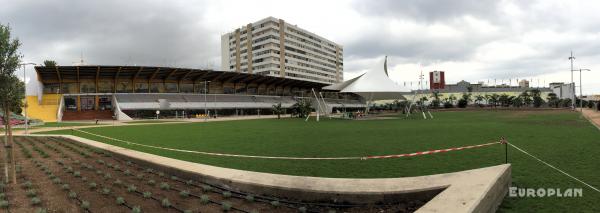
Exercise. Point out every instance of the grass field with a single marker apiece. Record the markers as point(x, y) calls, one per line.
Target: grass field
point(564, 139)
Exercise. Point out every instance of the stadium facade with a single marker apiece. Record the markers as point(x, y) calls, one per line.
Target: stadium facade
point(273, 47)
point(126, 92)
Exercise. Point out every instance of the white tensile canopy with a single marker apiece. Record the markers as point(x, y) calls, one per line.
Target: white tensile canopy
point(372, 85)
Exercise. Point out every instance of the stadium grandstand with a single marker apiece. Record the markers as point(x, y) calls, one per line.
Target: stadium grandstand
point(131, 92)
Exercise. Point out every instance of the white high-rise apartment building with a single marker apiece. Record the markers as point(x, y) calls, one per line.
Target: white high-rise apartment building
point(283, 50)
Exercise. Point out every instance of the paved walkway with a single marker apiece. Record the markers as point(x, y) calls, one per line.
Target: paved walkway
point(592, 115)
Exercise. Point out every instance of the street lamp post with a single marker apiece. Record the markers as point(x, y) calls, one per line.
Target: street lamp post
point(572, 82)
point(581, 90)
point(25, 88)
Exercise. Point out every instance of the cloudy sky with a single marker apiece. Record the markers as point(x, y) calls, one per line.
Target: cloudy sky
point(474, 40)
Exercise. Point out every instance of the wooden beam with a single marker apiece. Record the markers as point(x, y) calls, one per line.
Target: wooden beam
point(137, 74)
point(201, 76)
point(59, 78)
point(153, 74)
point(171, 74)
point(185, 75)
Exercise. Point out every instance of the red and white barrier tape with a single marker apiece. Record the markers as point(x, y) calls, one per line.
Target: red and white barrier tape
point(430, 152)
point(291, 158)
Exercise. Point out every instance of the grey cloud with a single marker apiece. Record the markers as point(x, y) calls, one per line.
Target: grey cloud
point(113, 32)
point(428, 10)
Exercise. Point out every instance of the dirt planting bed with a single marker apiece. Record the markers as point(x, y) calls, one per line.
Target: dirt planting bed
point(59, 175)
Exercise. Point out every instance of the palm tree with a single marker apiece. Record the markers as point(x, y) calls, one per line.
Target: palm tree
point(479, 99)
point(277, 109)
point(526, 98)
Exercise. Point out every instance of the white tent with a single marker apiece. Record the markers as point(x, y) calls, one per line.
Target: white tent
point(372, 85)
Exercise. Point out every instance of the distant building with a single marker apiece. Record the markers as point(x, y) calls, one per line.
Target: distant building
point(524, 83)
point(437, 81)
point(273, 47)
point(563, 90)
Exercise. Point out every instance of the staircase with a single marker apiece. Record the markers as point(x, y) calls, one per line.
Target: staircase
point(87, 115)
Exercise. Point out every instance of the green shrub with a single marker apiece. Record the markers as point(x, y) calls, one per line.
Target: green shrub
point(31, 193)
point(140, 176)
point(151, 182)
point(27, 185)
point(35, 201)
point(275, 203)
point(189, 182)
point(127, 172)
point(92, 185)
point(226, 194)
point(131, 188)
point(118, 182)
point(85, 204)
point(56, 180)
point(226, 206)
point(147, 194)
point(206, 188)
point(165, 203)
point(184, 193)
point(72, 195)
point(65, 187)
point(302, 209)
point(107, 176)
point(105, 191)
point(136, 209)
point(164, 186)
point(120, 201)
point(249, 198)
point(161, 174)
point(187, 211)
point(204, 199)
point(331, 211)
point(149, 170)
point(77, 174)
point(2, 196)
point(4, 204)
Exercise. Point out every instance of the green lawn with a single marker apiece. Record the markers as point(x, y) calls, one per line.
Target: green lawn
point(563, 139)
point(150, 121)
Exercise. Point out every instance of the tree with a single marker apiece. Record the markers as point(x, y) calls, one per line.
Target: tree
point(493, 99)
point(301, 108)
point(435, 103)
point(553, 100)
point(464, 101)
point(526, 98)
point(537, 99)
point(277, 109)
point(50, 63)
point(11, 89)
point(479, 99)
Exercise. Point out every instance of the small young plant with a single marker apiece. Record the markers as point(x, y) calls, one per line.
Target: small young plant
point(149, 170)
point(35, 201)
point(85, 205)
point(127, 172)
point(118, 182)
point(184, 193)
point(189, 182)
point(151, 182)
point(166, 203)
point(226, 206)
point(27, 185)
point(41, 210)
point(302, 209)
point(206, 188)
point(31, 193)
point(4, 204)
point(131, 188)
point(77, 174)
point(107, 176)
point(136, 209)
point(249, 198)
point(72, 195)
point(120, 201)
point(164, 186)
point(331, 211)
point(65, 187)
point(140, 176)
point(174, 177)
point(147, 194)
point(161, 174)
point(128, 163)
point(105, 191)
point(92, 185)
point(226, 194)
point(275, 203)
point(204, 199)
point(56, 180)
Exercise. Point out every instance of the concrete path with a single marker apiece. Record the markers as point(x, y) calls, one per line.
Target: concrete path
point(478, 190)
point(593, 116)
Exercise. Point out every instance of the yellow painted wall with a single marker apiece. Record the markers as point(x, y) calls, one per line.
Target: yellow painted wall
point(46, 110)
